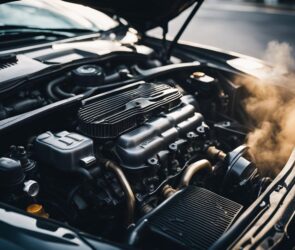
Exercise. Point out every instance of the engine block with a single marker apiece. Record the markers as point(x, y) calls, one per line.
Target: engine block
point(150, 143)
point(147, 122)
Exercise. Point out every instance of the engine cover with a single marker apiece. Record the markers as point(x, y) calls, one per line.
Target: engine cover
point(110, 114)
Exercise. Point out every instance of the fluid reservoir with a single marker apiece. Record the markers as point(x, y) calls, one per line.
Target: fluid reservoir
point(11, 173)
point(88, 75)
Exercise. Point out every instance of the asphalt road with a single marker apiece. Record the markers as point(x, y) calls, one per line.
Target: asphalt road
point(237, 27)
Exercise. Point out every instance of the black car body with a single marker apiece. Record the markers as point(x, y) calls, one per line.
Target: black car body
point(111, 139)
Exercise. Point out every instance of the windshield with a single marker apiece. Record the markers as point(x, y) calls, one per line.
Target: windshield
point(54, 14)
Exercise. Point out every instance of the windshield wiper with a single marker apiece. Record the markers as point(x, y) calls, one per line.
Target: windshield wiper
point(12, 36)
point(22, 29)
point(8, 29)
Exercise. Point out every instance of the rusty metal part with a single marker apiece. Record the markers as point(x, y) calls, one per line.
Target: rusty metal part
point(193, 169)
point(130, 198)
point(215, 153)
point(168, 191)
point(197, 74)
point(145, 209)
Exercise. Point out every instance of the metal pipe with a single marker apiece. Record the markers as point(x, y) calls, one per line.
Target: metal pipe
point(215, 153)
point(188, 174)
point(130, 198)
point(193, 169)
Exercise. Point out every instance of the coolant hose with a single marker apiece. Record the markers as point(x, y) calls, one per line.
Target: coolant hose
point(188, 174)
point(62, 93)
point(193, 169)
point(51, 85)
point(130, 198)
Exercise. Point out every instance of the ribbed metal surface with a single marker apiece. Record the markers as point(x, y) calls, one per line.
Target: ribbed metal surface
point(196, 217)
point(110, 116)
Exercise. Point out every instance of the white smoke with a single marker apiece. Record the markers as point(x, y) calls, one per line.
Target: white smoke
point(273, 110)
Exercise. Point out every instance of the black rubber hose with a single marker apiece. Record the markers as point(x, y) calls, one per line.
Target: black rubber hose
point(62, 93)
point(84, 173)
point(51, 85)
point(146, 75)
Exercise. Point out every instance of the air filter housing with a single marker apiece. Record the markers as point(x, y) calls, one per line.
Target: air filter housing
point(110, 114)
point(194, 218)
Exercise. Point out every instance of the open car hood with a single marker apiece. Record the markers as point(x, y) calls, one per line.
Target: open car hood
point(143, 15)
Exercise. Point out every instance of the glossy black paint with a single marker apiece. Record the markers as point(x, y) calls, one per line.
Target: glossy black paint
point(20, 231)
point(143, 15)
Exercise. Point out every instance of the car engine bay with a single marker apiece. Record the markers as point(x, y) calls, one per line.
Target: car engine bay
point(145, 152)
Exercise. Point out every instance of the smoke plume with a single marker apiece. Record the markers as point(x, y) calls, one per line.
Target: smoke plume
point(271, 106)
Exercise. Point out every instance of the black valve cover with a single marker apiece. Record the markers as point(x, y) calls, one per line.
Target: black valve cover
point(112, 113)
